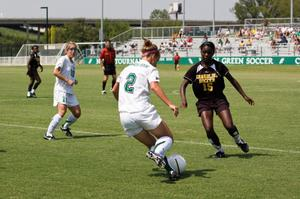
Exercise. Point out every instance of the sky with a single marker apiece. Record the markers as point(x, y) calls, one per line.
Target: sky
point(114, 9)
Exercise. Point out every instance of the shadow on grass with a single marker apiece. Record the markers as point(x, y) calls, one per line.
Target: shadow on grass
point(241, 155)
point(88, 136)
point(2, 151)
point(187, 174)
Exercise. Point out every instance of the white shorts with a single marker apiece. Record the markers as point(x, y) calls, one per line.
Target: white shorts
point(134, 123)
point(65, 98)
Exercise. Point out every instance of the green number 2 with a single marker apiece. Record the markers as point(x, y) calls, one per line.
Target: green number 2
point(130, 82)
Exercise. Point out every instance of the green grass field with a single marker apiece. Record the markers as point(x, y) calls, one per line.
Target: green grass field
point(101, 162)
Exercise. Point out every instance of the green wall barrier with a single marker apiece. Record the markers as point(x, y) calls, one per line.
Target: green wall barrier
point(193, 60)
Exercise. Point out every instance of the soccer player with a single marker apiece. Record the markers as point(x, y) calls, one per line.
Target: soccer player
point(138, 116)
point(107, 63)
point(32, 66)
point(176, 61)
point(207, 79)
point(64, 97)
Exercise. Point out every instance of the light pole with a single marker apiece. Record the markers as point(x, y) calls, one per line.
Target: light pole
point(292, 11)
point(46, 8)
point(214, 16)
point(101, 28)
point(183, 17)
point(141, 19)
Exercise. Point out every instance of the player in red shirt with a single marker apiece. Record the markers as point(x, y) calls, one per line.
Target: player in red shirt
point(207, 79)
point(107, 63)
point(176, 61)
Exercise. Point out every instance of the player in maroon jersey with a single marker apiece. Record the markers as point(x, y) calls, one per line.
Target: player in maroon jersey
point(207, 79)
point(107, 63)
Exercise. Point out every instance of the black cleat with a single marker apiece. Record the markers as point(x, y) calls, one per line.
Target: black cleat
point(220, 154)
point(244, 146)
point(66, 131)
point(49, 137)
point(172, 175)
point(33, 95)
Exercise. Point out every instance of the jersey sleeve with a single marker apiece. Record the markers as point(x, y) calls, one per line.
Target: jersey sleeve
point(153, 76)
point(223, 70)
point(190, 75)
point(60, 63)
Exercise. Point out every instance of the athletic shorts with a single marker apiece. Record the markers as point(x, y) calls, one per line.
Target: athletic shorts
point(32, 73)
point(110, 70)
point(134, 123)
point(65, 98)
point(218, 105)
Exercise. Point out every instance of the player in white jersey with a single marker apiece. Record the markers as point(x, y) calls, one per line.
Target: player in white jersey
point(64, 98)
point(138, 116)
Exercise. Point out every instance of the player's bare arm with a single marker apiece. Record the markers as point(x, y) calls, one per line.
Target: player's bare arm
point(183, 86)
point(238, 87)
point(115, 90)
point(161, 94)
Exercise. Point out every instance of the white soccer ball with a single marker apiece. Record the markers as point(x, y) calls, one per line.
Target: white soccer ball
point(177, 163)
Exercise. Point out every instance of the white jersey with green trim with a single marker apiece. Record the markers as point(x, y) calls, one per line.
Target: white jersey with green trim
point(134, 86)
point(67, 68)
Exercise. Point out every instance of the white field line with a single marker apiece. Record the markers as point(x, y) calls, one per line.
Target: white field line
point(177, 141)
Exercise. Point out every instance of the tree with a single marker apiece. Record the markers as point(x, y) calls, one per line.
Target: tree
point(159, 15)
point(161, 18)
point(264, 9)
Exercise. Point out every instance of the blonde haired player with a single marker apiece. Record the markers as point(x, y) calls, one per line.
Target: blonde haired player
point(138, 116)
point(64, 97)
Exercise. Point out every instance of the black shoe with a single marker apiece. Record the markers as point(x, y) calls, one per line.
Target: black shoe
point(66, 131)
point(49, 137)
point(220, 154)
point(33, 95)
point(172, 175)
point(244, 146)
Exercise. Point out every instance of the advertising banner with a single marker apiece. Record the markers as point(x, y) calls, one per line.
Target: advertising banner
point(192, 60)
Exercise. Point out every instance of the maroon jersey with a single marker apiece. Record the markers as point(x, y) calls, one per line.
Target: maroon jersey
point(208, 82)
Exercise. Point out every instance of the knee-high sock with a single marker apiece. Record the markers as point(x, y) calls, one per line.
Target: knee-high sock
point(70, 120)
point(162, 145)
point(235, 134)
point(103, 85)
point(53, 124)
point(214, 140)
point(36, 85)
point(113, 83)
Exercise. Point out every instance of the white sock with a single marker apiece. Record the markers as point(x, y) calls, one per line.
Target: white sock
point(32, 91)
point(162, 145)
point(28, 94)
point(53, 124)
point(70, 120)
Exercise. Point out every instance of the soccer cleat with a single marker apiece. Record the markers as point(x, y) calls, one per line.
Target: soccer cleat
point(244, 146)
point(173, 175)
point(220, 154)
point(33, 95)
point(156, 158)
point(66, 131)
point(103, 92)
point(29, 95)
point(47, 137)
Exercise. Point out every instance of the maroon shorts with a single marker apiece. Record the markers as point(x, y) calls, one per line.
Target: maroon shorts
point(217, 104)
